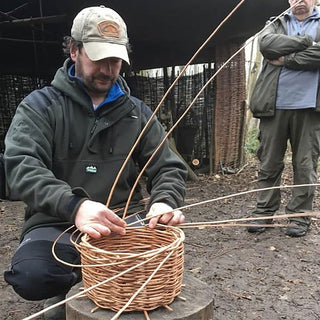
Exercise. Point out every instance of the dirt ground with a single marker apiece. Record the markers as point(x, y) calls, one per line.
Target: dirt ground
point(265, 276)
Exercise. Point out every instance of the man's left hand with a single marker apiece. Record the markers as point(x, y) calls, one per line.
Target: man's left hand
point(163, 213)
point(277, 62)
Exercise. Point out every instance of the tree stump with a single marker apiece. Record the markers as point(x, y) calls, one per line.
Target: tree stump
point(196, 303)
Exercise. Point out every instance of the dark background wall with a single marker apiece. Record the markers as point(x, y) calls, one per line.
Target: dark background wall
point(162, 33)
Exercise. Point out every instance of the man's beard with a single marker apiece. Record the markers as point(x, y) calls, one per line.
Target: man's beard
point(91, 83)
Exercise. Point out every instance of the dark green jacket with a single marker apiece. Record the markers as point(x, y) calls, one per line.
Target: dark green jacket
point(299, 53)
point(60, 152)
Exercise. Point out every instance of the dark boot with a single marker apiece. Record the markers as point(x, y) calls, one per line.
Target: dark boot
point(256, 225)
point(298, 229)
point(58, 313)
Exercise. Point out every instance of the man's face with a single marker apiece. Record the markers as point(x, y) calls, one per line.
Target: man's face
point(305, 7)
point(97, 76)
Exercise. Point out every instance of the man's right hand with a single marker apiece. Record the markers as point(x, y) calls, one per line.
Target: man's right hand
point(97, 220)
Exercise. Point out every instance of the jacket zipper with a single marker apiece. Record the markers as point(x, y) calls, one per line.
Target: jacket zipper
point(94, 126)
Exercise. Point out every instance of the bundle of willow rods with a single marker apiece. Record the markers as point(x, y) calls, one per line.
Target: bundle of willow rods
point(109, 257)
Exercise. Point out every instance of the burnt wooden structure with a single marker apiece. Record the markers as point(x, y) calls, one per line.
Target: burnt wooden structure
point(162, 34)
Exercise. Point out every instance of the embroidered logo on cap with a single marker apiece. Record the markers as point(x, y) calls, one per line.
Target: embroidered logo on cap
point(109, 29)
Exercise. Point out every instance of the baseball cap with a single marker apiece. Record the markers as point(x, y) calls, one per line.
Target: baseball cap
point(102, 32)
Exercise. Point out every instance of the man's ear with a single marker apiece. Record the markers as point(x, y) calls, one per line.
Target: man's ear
point(73, 53)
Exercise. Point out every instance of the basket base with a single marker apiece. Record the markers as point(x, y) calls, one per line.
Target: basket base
point(198, 305)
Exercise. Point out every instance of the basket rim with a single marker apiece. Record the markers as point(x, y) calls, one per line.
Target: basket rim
point(174, 245)
point(176, 233)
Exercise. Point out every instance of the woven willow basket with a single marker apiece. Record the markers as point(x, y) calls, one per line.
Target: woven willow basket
point(110, 257)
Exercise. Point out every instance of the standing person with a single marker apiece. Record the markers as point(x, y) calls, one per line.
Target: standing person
point(286, 98)
point(65, 147)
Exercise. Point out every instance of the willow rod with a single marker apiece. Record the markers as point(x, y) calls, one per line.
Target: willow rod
point(193, 102)
point(231, 196)
point(162, 100)
point(231, 222)
point(205, 225)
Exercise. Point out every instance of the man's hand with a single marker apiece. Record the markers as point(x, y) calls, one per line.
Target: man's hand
point(277, 62)
point(96, 220)
point(170, 216)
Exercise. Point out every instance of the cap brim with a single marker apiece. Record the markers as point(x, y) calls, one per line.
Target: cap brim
point(102, 50)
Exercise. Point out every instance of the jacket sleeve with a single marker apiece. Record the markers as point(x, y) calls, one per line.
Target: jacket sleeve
point(28, 162)
point(308, 59)
point(166, 172)
point(274, 45)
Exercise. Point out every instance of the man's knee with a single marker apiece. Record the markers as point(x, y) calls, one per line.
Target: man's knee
point(39, 276)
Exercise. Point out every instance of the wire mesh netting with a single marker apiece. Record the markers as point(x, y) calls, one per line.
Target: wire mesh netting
point(212, 132)
point(193, 135)
point(13, 88)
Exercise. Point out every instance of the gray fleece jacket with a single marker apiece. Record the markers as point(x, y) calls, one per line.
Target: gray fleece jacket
point(59, 152)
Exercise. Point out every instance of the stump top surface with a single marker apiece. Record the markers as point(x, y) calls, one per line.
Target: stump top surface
point(198, 305)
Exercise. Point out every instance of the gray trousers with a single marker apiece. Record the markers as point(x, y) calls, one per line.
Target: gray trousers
point(302, 129)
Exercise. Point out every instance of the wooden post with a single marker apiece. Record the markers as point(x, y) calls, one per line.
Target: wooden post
point(196, 302)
